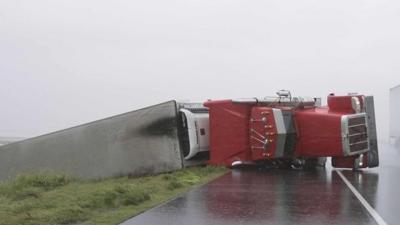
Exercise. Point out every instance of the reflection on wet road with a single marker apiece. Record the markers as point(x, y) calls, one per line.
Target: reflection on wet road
point(381, 186)
point(286, 197)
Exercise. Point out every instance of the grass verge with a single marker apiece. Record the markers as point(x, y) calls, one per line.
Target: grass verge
point(47, 198)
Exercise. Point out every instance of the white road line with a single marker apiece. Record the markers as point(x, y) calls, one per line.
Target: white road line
point(367, 206)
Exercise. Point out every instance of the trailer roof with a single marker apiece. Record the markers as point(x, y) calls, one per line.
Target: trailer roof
point(395, 87)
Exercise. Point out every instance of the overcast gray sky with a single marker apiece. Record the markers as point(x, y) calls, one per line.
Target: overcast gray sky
point(63, 63)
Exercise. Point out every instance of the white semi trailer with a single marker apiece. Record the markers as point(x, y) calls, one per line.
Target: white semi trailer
point(9, 140)
point(395, 114)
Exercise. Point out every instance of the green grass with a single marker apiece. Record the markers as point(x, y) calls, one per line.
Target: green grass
point(48, 198)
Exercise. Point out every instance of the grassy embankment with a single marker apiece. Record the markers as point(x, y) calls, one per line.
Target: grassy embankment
point(47, 198)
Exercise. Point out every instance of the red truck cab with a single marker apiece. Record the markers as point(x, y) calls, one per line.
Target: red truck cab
point(285, 129)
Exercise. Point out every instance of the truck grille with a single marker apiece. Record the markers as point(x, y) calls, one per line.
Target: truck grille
point(354, 134)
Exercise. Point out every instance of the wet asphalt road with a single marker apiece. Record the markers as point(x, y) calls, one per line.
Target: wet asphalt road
point(287, 197)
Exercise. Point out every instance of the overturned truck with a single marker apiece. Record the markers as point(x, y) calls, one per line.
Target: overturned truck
point(281, 131)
